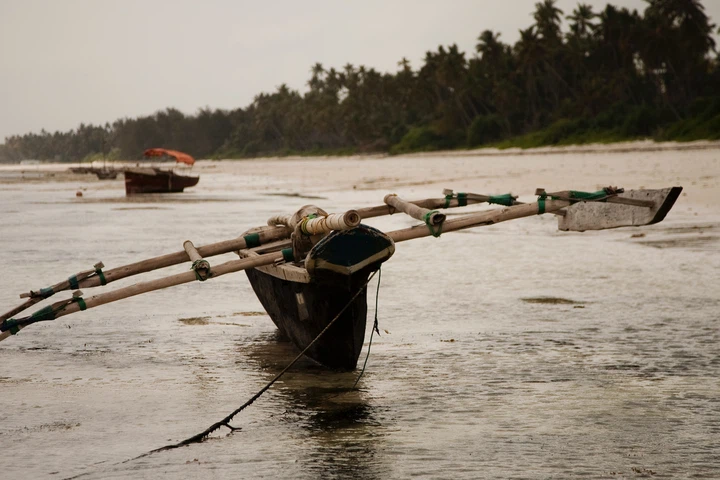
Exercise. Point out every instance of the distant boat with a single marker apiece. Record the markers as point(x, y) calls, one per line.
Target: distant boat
point(103, 173)
point(106, 173)
point(153, 179)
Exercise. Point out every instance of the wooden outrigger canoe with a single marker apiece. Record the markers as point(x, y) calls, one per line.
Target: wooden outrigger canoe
point(303, 297)
point(153, 179)
point(310, 269)
point(156, 180)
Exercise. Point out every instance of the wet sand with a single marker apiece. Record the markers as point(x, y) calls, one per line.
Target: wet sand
point(510, 351)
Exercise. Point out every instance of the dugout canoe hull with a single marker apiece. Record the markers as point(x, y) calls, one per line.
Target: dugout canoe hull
point(155, 180)
point(302, 299)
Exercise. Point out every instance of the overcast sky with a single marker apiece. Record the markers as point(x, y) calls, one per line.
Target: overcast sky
point(63, 62)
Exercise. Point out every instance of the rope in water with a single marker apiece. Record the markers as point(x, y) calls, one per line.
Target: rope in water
point(225, 422)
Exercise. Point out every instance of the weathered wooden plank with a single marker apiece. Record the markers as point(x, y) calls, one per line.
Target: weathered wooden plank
point(583, 216)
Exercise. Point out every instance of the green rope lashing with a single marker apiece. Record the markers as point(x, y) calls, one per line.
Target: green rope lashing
point(541, 203)
point(462, 199)
point(597, 196)
point(303, 224)
point(10, 325)
point(73, 281)
point(287, 254)
point(504, 199)
point(201, 264)
point(576, 196)
point(46, 313)
point(252, 240)
point(100, 274)
point(81, 303)
point(46, 292)
point(434, 230)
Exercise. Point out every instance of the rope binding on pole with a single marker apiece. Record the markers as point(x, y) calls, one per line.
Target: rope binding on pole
point(435, 230)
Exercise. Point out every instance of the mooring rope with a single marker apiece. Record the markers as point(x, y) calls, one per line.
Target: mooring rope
point(225, 422)
point(374, 329)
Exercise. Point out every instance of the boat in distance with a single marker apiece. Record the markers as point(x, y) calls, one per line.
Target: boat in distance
point(154, 179)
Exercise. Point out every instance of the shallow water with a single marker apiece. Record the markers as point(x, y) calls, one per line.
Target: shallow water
point(510, 351)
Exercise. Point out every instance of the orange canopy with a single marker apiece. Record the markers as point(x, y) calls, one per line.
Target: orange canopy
point(178, 156)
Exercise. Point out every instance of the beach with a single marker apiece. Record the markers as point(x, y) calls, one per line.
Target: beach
point(507, 351)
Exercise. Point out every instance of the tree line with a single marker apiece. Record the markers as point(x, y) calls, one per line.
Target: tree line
point(615, 74)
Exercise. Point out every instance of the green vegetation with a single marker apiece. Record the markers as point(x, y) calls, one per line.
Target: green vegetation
point(614, 75)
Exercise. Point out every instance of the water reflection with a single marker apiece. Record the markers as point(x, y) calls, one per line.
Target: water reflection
point(341, 431)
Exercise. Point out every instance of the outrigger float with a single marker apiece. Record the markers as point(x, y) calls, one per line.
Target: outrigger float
point(310, 269)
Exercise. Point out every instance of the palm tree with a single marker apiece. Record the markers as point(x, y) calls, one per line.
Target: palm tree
point(547, 21)
point(316, 81)
point(529, 53)
point(581, 26)
point(678, 43)
point(580, 43)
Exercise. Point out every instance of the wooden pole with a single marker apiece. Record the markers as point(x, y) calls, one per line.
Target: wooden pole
point(478, 197)
point(334, 221)
point(429, 203)
point(199, 264)
point(191, 251)
point(36, 296)
point(91, 278)
point(320, 224)
point(171, 281)
point(419, 213)
point(170, 259)
point(489, 217)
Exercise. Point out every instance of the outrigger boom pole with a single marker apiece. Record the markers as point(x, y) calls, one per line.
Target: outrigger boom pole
point(78, 303)
point(96, 277)
point(583, 212)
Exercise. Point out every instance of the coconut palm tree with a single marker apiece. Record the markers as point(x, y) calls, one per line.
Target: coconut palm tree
point(678, 43)
point(548, 19)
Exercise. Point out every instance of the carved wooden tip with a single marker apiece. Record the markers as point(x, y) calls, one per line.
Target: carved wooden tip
point(447, 191)
point(538, 191)
point(99, 265)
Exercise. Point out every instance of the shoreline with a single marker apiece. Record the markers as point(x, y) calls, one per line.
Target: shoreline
point(631, 165)
point(616, 147)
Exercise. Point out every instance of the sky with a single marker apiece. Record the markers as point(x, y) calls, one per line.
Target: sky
point(66, 62)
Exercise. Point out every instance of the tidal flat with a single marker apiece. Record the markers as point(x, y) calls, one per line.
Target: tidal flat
point(508, 351)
